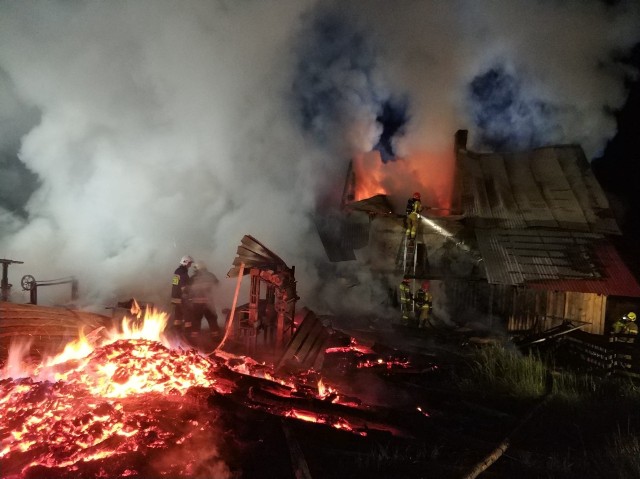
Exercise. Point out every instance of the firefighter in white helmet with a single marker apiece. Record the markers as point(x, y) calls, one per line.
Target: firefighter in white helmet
point(179, 283)
point(201, 292)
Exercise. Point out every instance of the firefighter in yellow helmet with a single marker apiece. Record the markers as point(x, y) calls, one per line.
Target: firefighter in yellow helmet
point(626, 324)
point(414, 207)
point(406, 301)
point(424, 302)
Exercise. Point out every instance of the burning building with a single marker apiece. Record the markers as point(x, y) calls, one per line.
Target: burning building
point(523, 243)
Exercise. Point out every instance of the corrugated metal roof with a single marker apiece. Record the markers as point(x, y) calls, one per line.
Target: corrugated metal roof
point(617, 279)
point(551, 187)
point(517, 256)
point(555, 260)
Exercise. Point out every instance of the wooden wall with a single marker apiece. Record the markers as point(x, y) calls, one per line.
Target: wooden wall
point(540, 310)
point(48, 329)
point(522, 309)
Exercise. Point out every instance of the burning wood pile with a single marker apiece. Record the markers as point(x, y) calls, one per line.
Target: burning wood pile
point(126, 403)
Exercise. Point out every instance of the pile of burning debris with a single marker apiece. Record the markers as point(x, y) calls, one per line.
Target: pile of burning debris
point(128, 403)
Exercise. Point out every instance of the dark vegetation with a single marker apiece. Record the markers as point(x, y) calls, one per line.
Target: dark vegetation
point(493, 412)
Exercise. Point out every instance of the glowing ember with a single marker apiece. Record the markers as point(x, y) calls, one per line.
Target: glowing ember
point(385, 363)
point(327, 392)
point(83, 415)
point(115, 393)
point(337, 423)
point(129, 367)
point(364, 357)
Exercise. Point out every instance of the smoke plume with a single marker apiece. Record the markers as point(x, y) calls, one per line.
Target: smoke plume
point(134, 132)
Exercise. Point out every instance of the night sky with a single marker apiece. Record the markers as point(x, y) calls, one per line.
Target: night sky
point(134, 132)
point(618, 171)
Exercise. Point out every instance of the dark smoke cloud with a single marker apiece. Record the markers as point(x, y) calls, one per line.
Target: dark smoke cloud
point(133, 132)
point(507, 121)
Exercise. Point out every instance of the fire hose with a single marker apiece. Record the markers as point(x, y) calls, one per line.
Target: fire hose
point(229, 325)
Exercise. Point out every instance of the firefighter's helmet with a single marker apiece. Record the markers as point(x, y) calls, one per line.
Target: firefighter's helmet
point(416, 196)
point(199, 266)
point(426, 285)
point(186, 260)
point(631, 316)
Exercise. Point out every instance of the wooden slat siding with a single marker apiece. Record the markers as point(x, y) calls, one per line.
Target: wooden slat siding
point(254, 245)
point(301, 335)
point(48, 328)
point(593, 351)
point(306, 334)
point(597, 312)
point(252, 253)
point(309, 349)
point(524, 316)
point(587, 307)
point(617, 355)
point(247, 257)
point(307, 342)
point(526, 192)
point(463, 298)
point(600, 310)
point(557, 191)
point(538, 310)
point(626, 355)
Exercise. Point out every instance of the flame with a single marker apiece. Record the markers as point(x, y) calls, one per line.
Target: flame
point(327, 392)
point(78, 416)
point(93, 401)
point(337, 423)
point(432, 174)
point(135, 309)
point(322, 390)
point(76, 349)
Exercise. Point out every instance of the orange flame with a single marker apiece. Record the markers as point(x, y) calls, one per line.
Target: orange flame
point(432, 174)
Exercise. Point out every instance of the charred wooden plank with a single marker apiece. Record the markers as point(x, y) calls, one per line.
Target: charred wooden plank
point(306, 344)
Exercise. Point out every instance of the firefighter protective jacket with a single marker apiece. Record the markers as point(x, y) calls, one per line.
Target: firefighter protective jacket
point(423, 297)
point(179, 282)
point(201, 287)
point(413, 206)
point(405, 293)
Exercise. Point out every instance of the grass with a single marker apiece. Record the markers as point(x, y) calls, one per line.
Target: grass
point(398, 457)
point(623, 452)
point(498, 371)
point(590, 427)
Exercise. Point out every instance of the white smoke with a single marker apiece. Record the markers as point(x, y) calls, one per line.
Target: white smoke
point(167, 128)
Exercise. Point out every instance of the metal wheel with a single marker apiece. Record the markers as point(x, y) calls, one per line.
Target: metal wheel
point(28, 282)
